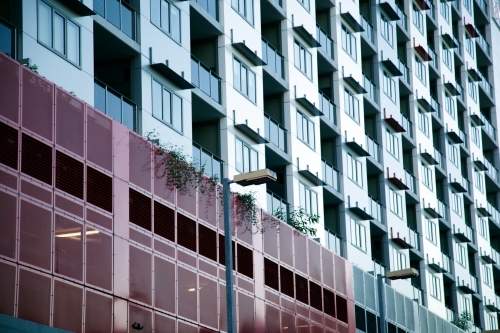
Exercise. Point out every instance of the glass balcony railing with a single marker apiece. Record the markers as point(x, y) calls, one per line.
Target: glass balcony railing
point(274, 203)
point(450, 314)
point(496, 258)
point(210, 6)
point(434, 62)
point(378, 268)
point(335, 243)
point(410, 181)
point(119, 14)
point(331, 176)
point(469, 233)
point(458, 49)
point(325, 41)
point(483, 5)
point(414, 238)
point(463, 136)
point(460, 91)
point(368, 33)
point(418, 295)
point(489, 128)
point(405, 70)
point(485, 85)
point(376, 210)
point(442, 209)
point(371, 88)
point(435, 104)
point(7, 39)
point(273, 58)
point(438, 157)
point(373, 148)
point(446, 262)
point(492, 171)
point(495, 214)
point(327, 107)
point(485, 46)
point(212, 165)
point(115, 105)
point(402, 16)
point(205, 79)
point(468, 5)
point(275, 133)
point(407, 125)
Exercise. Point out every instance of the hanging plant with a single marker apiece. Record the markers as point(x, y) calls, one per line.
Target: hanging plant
point(299, 219)
point(247, 211)
point(34, 68)
point(464, 321)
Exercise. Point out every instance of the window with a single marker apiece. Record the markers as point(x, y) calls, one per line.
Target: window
point(469, 46)
point(358, 235)
point(427, 176)
point(456, 204)
point(351, 105)
point(478, 181)
point(305, 130)
point(167, 17)
point(447, 57)
point(423, 122)
point(167, 106)
point(392, 144)
point(247, 159)
point(461, 255)
point(445, 11)
point(431, 231)
point(452, 153)
point(474, 132)
point(354, 170)
point(418, 19)
point(244, 80)
point(58, 33)
point(486, 275)
point(305, 3)
point(303, 59)
point(308, 199)
point(389, 87)
point(483, 227)
point(349, 43)
point(449, 104)
point(472, 91)
point(396, 203)
point(244, 8)
point(387, 31)
point(435, 286)
point(399, 260)
point(420, 70)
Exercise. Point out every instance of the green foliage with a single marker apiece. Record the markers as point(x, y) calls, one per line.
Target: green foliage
point(247, 211)
point(299, 219)
point(464, 321)
point(34, 68)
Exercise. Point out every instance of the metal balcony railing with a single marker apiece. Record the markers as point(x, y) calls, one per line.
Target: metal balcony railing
point(407, 125)
point(119, 14)
point(446, 262)
point(275, 133)
point(115, 105)
point(368, 33)
point(405, 70)
point(273, 58)
point(492, 171)
point(331, 176)
point(373, 148)
point(327, 107)
point(410, 181)
point(489, 128)
point(210, 6)
point(274, 203)
point(402, 16)
point(442, 209)
point(326, 41)
point(376, 210)
point(335, 243)
point(371, 88)
point(205, 79)
point(485, 46)
point(414, 238)
point(212, 165)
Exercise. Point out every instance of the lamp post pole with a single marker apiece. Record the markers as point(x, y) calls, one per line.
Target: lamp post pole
point(381, 303)
point(228, 246)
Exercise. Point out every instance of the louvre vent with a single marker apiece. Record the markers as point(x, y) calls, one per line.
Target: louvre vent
point(186, 232)
point(329, 302)
point(286, 281)
point(400, 330)
point(8, 145)
point(139, 209)
point(391, 328)
point(341, 309)
point(301, 289)
point(271, 274)
point(69, 175)
point(99, 189)
point(315, 296)
point(245, 261)
point(222, 252)
point(164, 225)
point(207, 242)
point(36, 159)
point(360, 318)
point(371, 322)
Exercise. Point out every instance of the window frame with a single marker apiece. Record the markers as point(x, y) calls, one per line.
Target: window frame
point(456, 204)
point(395, 203)
point(243, 162)
point(461, 255)
point(248, 71)
point(159, 26)
point(427, 179)
point(423, 123)
point(449, 104)
point(244, 15)
point(420, 70)
point(392, 144)
point(300, 130)
point(302, 50)
point(350, 47)
point(399, 259)
point(358, 235)
point(435, 286)
point(431, 233)
point(389, 87)
point(486, 273)
point(308, 199)
point(354, 170)
point(172, 94)
point(387, 30)
point(352, 109)
point(452, 153)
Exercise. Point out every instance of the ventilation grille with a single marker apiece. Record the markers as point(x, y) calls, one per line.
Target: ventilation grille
point(222, 252)
point(37, 159)
point(329, 302)
point(69, 175)
point(315, 296)
point(391, 328)
point(186, 232)
point(286, 281)
point(8, 145)
point(139, 209)
point(207, 242)
point(400, 330)
point(342, 309)
point(245, 261)
point(301, 289)
point(271, 274)
point(360, 318)
point(371, 322)
point(99, 189)
point(164, 221)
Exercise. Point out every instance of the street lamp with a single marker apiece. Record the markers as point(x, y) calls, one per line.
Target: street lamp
point(251, 178)
point(394, 275)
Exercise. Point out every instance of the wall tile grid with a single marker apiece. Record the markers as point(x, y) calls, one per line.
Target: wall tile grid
point(68, 241)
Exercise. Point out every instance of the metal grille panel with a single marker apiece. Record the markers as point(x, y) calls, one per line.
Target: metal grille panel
point(301, 289)
point(139, 209)
point(371, 322)
point(34, 297)
point(36, 159)
point(186, 232)
point(329, 302)
point(245, 261)
point(207, 242)
point(341, 309)
point(69, 122)
point(67, 298)
point(271, 274)
point(140, 275)
point(360, 318)
point(315, 296)
point(98, 311)
point(7, 288)
point(69, 175)
point(99, 189)
point(164, 218)
point(286, 281)
point(9, 94)
point(222, 252)
point(8, 145)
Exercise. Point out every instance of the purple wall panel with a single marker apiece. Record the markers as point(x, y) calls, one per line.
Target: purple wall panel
point(68, 300)
point(41, 193)
point(140, 162)
point(8, 224)
point(208, 302)
point(120, 315)
point(34, 297)
point(164, 324)
point(164, 285)
point(7, 287)
point(9, 94)
point(99, 139)
point(70, 122)
point(314, 250)
point(286, 245)
point(121, 199)
point(99, 259)
point(120, 267)
point(98, 312)
point(120, 151)
point(68, 248)
point(69, 205)
point(8, 179)
point(140, 279)
point(300, 247)
point(187, 290)
point(139, 314)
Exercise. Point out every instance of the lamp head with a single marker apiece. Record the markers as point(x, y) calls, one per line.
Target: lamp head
point(402, 274)
point(255, 178)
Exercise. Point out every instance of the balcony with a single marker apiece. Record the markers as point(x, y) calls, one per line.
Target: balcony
point(275, 203)
point(331, 176)
point(435, 105)
point(414, 239)
point(469, 285)
point(433, 61)
point(461, 185)
point(376, 210)
point(373, 148)
point(491, 170)
point(494, 213)
point(483, 6)
point(442, 209)
point(370, 88)
point(450, 314)
point(410, 182)
point(119, 14)
point(489, 128)
point(495, 256)
point(405, 70)
point(115, 105)
point(208, 162)
point(446, 262)
point(205, 79)
point(485, 47)
point(327, 107)
point(460, 91)
point(438, 156)
point(325, 41)
point(8, 39)
point(335, 243)
point(368, 29)
point(402, 17)
point(275, 60)
point(210, 6)
point(485, 85)
point(378, 268)
point(275, 133)
point(407, 125)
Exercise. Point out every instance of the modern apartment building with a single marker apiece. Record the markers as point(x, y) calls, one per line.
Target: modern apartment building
point(379, 116)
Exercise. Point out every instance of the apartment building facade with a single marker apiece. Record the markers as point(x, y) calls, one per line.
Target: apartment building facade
point(344, 100)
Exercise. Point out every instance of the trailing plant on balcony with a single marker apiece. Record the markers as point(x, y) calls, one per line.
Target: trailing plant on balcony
point(34, 68)
point(246, 211)
point(464, 321)
point(299, 219)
